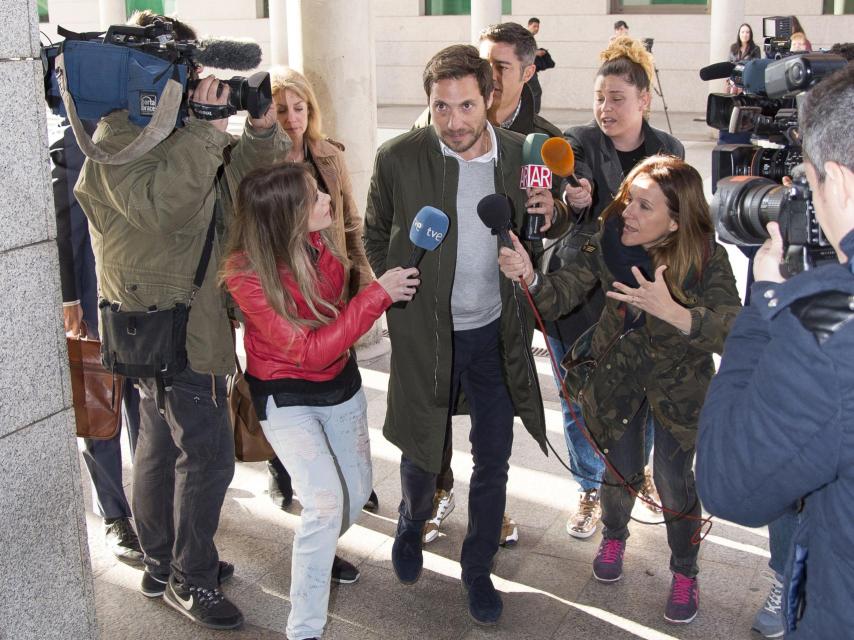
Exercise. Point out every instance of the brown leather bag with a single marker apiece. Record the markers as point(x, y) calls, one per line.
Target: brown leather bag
point(96, 393)
point(250, 445)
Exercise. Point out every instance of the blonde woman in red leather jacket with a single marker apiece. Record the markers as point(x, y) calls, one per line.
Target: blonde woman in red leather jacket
point(288, 277)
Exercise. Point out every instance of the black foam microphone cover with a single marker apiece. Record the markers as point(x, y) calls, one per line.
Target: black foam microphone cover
point(496, 211)
point(717, 71)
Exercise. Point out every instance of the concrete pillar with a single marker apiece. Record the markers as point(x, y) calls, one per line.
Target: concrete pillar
point(332, 43)
point(45, 574)
point(111, 12)
point(725, 17)
point(278, 33)
point(483, 14)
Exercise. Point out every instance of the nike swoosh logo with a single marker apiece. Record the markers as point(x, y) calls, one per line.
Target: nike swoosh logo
point(187, 604)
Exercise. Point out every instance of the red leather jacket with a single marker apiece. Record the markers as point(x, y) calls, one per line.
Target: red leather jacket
point(278, 349)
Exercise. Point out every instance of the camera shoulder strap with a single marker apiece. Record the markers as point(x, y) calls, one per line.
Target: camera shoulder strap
point(205, 258)
point(161, 125)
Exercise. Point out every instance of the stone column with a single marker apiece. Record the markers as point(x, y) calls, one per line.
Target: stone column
point(332, 43)
point(725, 17)
point(483, 14)
point(111, 12)
point(45, 574)
point(278, 33)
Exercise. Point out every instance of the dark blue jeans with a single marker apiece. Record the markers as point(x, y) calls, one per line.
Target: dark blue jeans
point(674, 478)
point(183, 465)
point(478, 372)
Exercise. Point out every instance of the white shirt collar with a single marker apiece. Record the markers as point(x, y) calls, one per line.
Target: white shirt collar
point(489, 156)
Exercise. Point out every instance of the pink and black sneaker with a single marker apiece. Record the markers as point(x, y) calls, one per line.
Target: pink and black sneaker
point(684, 600)
point(608, 564)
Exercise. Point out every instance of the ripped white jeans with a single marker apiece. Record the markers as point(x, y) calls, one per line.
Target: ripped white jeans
point(327, 452)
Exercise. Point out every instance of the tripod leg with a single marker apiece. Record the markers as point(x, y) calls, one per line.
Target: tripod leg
point(660, 92)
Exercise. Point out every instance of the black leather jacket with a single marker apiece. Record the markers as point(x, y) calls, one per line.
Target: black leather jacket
point(595, 159)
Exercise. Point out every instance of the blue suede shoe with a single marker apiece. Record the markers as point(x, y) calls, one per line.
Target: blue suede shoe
point(485, 604)
point(406, 556)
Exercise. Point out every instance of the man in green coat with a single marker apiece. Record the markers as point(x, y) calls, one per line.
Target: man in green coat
point(149, 220)
point(466, 330)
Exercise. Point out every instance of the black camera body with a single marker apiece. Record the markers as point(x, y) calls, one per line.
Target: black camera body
point(746, 177)
point(777, 34)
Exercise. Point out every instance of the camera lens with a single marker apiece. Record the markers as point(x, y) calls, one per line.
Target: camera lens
point(743, 205)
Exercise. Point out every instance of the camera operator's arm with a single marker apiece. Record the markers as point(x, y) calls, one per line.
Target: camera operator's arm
point(263, 143)
point(770, 425)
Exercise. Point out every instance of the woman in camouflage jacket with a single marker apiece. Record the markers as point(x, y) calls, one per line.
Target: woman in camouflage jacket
point(671, 301)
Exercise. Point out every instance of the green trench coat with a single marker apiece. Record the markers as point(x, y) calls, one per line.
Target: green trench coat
point(657, 361)
point(410, 172)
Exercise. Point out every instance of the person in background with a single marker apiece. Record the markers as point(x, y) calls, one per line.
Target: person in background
point(605, 150)
point(621, 28)
point(299, 115)
point(103, 458)
point(671, 298)
point(542, 62)
point(288, 274)
point(798, 43)
point(743, 49)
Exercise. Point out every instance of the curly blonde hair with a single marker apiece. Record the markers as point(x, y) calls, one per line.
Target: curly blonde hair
point(627, 58)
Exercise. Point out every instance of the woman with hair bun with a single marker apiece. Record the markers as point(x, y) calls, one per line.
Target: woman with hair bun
point(606, 150)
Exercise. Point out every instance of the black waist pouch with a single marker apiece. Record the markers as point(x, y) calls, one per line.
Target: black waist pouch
point(144, 344)
point(153, 343)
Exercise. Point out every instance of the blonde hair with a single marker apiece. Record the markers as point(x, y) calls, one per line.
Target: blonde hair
point(270, 231)
point(282, 78)
point(686, 250)
point(628, 59)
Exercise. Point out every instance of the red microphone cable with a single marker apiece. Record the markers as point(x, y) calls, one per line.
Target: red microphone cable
point(705, 525)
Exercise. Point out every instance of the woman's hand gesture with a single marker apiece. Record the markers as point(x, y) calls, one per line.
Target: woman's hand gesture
point(653, 297)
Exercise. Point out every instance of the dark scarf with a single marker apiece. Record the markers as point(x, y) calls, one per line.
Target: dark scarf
point(620, 259)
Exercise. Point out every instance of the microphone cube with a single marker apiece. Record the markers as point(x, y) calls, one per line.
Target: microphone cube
point(535, 175)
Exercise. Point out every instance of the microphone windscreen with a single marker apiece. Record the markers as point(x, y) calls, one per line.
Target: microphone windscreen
point(717, 71)
point(532, 148)
point(495, 212)
point(220, 53)
point(753, 76)
point(559, 157)
point(429, 228)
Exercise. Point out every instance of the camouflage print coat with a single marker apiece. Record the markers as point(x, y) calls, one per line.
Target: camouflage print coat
point(655, 361)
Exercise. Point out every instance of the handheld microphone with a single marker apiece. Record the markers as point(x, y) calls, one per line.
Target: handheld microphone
point(534, 174)
point(559, 157)
point(496, 211)
point(428, 229)
point(224, 53)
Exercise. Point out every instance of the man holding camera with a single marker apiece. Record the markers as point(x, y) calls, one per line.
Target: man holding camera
point(151, 220)
point(776, 429)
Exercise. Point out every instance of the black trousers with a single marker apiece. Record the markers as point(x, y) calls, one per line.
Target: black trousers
point(478, 372)
point(673, 470)
point(183, 465)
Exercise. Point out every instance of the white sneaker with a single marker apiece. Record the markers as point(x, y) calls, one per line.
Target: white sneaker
point(582, 524)
point(509, 532)
point(443, 505)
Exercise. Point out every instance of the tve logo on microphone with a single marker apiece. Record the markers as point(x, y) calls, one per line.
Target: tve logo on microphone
point(535, 175)
point(418, 230)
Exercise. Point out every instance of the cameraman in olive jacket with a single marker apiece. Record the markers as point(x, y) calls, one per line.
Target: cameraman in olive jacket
point(148, 221)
